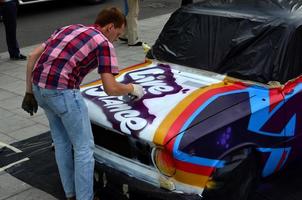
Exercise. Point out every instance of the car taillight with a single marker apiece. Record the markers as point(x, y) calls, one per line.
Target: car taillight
point(164, 161)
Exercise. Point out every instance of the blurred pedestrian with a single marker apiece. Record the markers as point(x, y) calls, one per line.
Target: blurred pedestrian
point(55, 71)
point(131, 33)
point(186, 2)
point(126, 7)
point(8, 10)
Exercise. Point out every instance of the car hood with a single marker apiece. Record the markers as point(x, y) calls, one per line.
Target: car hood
point(170, 90)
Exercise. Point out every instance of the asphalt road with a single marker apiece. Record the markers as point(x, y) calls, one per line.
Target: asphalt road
point(36, 22)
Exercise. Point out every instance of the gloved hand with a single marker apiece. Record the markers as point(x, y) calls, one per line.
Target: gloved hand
point(29, 103)
point(138, 92)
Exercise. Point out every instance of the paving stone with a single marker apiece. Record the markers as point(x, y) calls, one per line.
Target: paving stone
point(6, 139)
point(11, 103)
point(10, 186)
point(20, 112)
point(5, 79)
point(7, 66)
point(28, 132)
point(32, 194)
point(16, 86)
point(18, 73)
point(6, 94)
point(5, 113)
point(41, 119)
point(14, 123)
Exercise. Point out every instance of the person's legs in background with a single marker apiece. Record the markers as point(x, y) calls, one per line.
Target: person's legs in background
point(126, 8)
point(9, 15)
point(131, 31)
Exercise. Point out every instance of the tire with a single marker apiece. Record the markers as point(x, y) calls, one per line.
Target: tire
point(237, 179)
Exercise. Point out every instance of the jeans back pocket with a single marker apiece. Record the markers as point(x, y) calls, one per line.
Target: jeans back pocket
point(55, 100)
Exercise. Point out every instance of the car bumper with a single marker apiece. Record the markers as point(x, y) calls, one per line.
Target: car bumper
point(127, 177)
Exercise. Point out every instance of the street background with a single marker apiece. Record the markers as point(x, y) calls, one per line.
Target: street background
point(37, 21)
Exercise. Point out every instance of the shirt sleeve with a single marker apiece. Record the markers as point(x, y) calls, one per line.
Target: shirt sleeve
point(44, 44)
point(107, 59)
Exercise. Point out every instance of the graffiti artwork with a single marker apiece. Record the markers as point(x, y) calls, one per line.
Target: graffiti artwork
point(194, 124)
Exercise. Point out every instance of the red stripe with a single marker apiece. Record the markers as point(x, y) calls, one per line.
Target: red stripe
point(275, 98)
point(284, 154)
point(189, 167)
point(193, 168)
point(180, 121)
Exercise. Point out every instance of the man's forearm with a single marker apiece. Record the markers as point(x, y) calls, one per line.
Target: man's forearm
point(32, 59)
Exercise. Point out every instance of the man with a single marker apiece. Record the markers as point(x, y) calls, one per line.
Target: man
point(131, 33)
point(54, 72)
point(8, 10)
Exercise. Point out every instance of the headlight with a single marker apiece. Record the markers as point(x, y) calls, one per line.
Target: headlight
point(163, 161)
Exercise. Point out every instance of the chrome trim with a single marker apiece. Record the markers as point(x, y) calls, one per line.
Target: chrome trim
point(126, 165)
point(31, 2)
point(140, 171)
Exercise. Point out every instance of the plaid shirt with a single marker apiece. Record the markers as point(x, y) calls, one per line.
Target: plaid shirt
point(70, 54)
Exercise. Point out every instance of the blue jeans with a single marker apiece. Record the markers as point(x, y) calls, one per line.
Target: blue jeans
point(70, 130)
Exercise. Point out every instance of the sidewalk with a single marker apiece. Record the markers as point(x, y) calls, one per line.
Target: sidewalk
point(17, 125)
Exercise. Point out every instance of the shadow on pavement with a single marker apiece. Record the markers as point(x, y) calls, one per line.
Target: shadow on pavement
point(41, 172)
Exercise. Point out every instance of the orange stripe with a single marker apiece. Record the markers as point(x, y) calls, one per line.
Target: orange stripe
point(191, 179)
point(166, 124)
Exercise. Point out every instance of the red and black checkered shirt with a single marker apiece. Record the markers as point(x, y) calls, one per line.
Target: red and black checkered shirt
point(70, 54)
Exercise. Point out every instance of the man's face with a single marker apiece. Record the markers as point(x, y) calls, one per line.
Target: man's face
point(114, 33)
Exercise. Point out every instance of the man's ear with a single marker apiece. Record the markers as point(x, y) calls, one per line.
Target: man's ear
point(110, 26)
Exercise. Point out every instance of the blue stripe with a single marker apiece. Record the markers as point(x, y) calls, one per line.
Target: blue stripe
point(179, 155)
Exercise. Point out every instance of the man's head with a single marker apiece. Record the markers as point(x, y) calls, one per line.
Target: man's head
point(112, 23)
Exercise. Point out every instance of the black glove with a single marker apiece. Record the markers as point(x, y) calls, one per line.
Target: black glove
point(29, 103)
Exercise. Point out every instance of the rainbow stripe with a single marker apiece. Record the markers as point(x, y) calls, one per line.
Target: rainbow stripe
point(167, 133)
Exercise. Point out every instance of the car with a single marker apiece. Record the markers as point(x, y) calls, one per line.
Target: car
point(23, 2)
point(221, 111)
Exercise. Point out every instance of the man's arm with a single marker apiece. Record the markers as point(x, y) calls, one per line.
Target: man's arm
point(114, 88)
point(32, 58)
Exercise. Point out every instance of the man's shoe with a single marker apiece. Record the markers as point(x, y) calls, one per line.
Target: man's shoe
point(136, 44)
point(123, 39)
point(18, 57)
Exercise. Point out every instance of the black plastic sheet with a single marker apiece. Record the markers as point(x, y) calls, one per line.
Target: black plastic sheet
point(258, 40)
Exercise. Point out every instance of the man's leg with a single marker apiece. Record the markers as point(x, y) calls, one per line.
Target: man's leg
point(76, 122)
point(9, 14)
point(132, 22)
point(63, 148)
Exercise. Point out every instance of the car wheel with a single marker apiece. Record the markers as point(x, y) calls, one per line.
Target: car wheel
point(237, 179)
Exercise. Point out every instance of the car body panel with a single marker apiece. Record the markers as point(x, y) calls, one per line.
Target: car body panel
point(142, 118)
point(200, 117)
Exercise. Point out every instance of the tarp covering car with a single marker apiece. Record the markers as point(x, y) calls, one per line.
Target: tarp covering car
point(258, 40)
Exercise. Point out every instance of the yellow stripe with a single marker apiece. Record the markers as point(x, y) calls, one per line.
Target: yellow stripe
point(191, 179)
point(123, 71)
point(164, 127)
